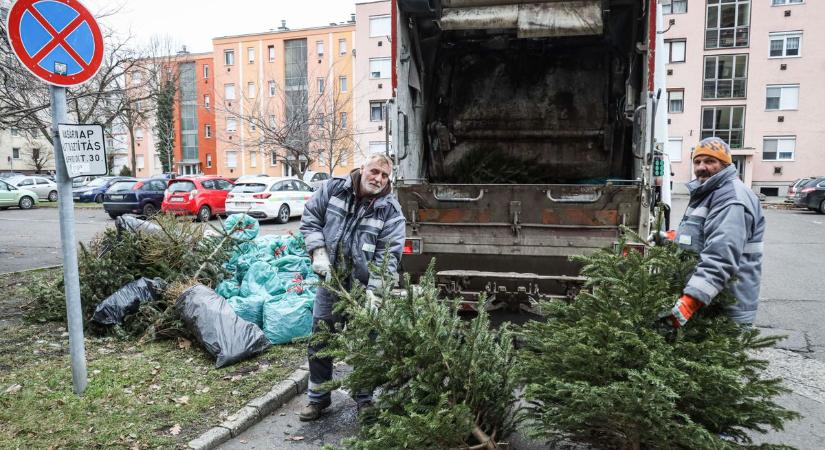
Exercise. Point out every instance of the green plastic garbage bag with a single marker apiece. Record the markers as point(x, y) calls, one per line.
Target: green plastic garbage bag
point(292, 263)
point(296, 245)
point(250, 309)
point(242, 226)
point(228, 288)
point(262, 279)
point(287, 317)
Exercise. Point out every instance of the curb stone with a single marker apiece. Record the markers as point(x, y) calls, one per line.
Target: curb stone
point(254, 411)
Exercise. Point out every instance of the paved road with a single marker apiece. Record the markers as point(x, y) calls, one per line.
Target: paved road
point(793, 304)
point(30, 239)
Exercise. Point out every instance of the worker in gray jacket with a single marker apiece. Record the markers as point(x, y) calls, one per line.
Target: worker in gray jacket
point(348, 223)
point(724, 225)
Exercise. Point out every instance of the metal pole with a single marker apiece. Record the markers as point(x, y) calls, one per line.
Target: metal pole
point(71, 278)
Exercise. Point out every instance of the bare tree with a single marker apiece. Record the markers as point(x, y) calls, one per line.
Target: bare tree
point(40, 158)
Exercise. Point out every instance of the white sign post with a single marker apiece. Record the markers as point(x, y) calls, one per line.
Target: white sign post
point(83, 149)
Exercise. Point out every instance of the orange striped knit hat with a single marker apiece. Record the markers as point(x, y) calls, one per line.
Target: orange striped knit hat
point(713, 146)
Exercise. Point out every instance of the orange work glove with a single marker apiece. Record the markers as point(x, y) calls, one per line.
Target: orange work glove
point(684, 308)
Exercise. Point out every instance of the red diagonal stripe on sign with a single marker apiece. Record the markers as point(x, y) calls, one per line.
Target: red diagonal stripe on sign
point(57, 37)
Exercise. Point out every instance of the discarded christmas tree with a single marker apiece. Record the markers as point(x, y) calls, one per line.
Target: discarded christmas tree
point(444, 382)
point(603, 370)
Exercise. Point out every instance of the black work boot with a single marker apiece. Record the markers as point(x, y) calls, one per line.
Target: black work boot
point(312, 411)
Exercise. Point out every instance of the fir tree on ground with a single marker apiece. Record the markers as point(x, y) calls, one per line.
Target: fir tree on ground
point(443, 382)
point(603, 370)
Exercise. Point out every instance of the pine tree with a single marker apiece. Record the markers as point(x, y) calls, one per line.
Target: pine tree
point(603, 370)
point(444, 382)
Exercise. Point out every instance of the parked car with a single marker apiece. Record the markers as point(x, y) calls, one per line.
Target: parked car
point(269, 198)
point(794, 187)
point(82, 181)
point(811, 195)
point(44, 188)
point(134, 196)
point(315, 179)
point(200, 196)
point(93, 192)
point(11, 195)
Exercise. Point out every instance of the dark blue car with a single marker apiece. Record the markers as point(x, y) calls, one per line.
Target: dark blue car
point(133, 196)
point(93, 192)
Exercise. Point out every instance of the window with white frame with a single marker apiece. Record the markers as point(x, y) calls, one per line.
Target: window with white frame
point(786, 44)
point(229, 91)
point(343, 120)
point(206, 71)
point(675, 7)
point(787, 2)
point(319, 48)
point(782, 97)
point(322, 83)
point(250, 90)
point(380, 26)
point(232, 159)
point(229, 57)
point(250, 54)
point(15, 132)
point(377, 147)
point(675, 50)
point(140, 162)
point(725, 122)
point(727, 23)
point(15, 153)
point(726, 76)
point(377, 110)
point(676, 101)
point(231, 124)
point(674, 149)
point(209, 160)
point(380, 68)
point(207, 101)
point(272, 87)
point(342, 84)
point(778, 148)
point(139, 134)
point(207, 131)
point(253, 159)
point(342, 46)
point(270, 49)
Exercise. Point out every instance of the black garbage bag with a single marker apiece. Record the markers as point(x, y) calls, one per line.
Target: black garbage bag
point(128, 222)
point(218, 329)
point(127, 300)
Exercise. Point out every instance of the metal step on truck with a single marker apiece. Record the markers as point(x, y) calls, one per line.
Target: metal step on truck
point(523, 133)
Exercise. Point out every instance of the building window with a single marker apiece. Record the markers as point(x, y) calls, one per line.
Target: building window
point(675, 50)
point(787, 2)
point(231, 159)
point(287, 169)
point(140, 162)
point(319, 48)
point(377, 111)
point(206, 71)
point(15, 153)
point(676, 101)
point(675, 7)
point(250, 90)
point(250, 54)
point(139, 134)
point(782, 97)
point(342, 46)
point(342, 84)
point(207, 131)
point(15, 132)
point(778, 148)
point(229, 57)
point(272, 121)
point(785, 45)
point(270, 49)
point(380, 68)
point(271, 88)
point(322, 83)
point(725, 122)
point(209, 160)
point(273, 159)
point(674, 149)
point(380, 26)
point(229, 91)
point(343, 120)
point(231, 124)
point(253, 159)
point(726, 76)
point(727, 24)
point(206, 101)
point(377, 147)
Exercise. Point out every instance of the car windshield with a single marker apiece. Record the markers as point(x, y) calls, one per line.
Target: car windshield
point(122, 186)
point(97, 182)
point(181, 186)
point(249, 188)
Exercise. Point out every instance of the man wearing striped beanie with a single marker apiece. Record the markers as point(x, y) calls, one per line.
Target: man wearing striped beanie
point(724, 225)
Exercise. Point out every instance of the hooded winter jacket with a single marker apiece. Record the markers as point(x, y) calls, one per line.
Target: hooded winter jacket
point(725, 226)
point(366, 230)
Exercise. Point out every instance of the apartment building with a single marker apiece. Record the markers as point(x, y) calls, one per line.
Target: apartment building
point(266, 80)
point(25, 152)
point(373, 82)
point(750, 72)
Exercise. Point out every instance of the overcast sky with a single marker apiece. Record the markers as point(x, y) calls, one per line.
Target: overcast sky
point(195, 22)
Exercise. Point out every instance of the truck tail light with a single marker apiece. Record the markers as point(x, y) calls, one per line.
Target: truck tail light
point(412, 246)
point(262, 196)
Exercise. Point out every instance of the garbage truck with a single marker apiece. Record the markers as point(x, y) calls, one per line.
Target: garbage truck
point(523, 133)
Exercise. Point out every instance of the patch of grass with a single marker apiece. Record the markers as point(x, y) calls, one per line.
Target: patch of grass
point(14, 291)
point(136, 393)
point(90, 205)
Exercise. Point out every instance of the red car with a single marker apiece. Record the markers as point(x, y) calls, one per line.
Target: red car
point(202, 197)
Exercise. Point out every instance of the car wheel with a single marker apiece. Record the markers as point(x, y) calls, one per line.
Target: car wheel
point(822, 207)
point(204, 213)
point(149, 209)
point(114, 215)
point(53, 196)
point(283, 214)
point(99, 198)
point(26, 202)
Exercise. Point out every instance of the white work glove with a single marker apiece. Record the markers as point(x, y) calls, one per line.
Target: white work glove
point(374, 301)
point(320, 263)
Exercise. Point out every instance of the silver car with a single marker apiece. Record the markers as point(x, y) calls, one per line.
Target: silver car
point(45, 188)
